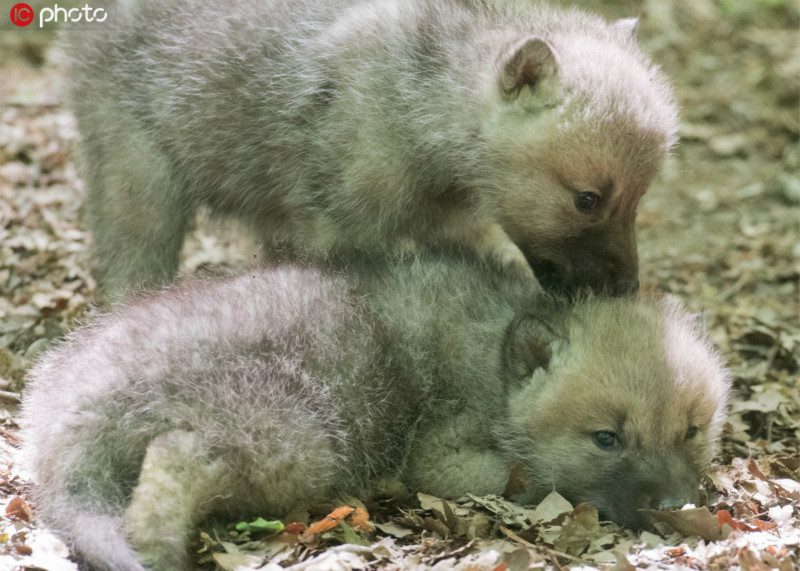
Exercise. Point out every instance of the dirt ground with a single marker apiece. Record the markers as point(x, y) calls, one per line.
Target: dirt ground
point(719, 228)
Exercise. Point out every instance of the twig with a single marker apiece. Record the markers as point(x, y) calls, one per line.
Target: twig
point(16, 398)
point(33, 104)
point(513, 536)
point(7, 434)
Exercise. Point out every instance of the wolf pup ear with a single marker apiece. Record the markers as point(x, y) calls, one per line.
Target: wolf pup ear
point(531, 61)
point(528, 346)
point(626, 27)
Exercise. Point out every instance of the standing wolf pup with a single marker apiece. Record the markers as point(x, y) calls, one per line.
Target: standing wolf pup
point(253, 395)
point(526, 132)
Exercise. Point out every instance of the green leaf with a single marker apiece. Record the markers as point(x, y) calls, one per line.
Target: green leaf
point(260, 525)
point(349, 535)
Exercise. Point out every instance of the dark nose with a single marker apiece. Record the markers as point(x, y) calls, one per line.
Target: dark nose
point(671, 493)
point(625, 286)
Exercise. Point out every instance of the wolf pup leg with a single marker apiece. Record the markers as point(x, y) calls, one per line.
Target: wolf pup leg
point(137, 215)
point(175, 485)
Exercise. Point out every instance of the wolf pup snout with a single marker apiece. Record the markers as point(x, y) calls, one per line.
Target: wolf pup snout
point(659, 482)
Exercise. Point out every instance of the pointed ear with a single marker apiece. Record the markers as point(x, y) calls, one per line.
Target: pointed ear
point(626, 27)
point(528, 346)
point(699, 319)
point(530, 62)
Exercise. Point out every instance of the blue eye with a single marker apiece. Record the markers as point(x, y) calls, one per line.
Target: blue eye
point(586, 201)
point(606, 439)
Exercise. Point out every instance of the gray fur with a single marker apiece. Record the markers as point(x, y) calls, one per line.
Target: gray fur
point(375, 125)
point(289, 386)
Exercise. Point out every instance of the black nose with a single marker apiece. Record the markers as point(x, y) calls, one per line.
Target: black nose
point(625, 286)
point(550, 276)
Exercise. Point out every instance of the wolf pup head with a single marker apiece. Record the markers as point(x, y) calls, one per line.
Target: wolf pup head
point(620, 408)
point(581, 124)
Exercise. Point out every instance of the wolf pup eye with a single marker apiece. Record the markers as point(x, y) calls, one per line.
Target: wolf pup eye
point(692, 432)
point(586, 201)
point(606, 439)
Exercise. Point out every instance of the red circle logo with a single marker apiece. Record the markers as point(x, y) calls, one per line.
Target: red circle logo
point(21, 14)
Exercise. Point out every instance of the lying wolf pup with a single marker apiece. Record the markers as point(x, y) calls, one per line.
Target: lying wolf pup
point(527, 133)
point(293, 385)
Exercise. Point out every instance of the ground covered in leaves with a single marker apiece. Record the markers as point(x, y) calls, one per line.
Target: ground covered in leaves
point(719, 228)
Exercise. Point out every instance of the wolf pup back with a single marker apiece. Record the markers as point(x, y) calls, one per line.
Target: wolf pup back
point(251, 396)
point(527, 133)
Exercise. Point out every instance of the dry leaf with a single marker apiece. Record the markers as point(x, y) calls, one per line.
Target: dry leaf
point(294, 528)
point(328, 522)
point(359, 520)
point(694, 521)
point(552, 508)
point(579, 530)
point(516, 482)
point(237, 561)
point(17, 508)
point(394, 530)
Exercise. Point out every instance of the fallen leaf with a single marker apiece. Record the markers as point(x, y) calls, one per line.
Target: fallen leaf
point(435, 525)
point(516, 482)
point(755, 470)
point(579, 530)
point(350, 536)
point(17, 508)
point(295, 528)
point(694, 521)
point(512, 514)
point(359, 520)
point(443, 510)
point(234, 561)
point(260, 525)
point(781, 514)
point(394, 530)
point(553, 507)
point(724, 517)
point(328, 522)
point(676, 552)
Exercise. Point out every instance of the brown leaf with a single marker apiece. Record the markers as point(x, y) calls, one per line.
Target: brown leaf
point(579, 530)
point(553, 508)
point(17, 508)
point(359, 520)
point(695, 521)
point(516, 482)
point(754, 470)
point(725, 517)
point(431, 524)
point(295, 528)
point(443, 510)
point(328, 522)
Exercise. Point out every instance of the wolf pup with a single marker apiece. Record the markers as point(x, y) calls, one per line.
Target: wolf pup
point(292, 386)
point(525, 132)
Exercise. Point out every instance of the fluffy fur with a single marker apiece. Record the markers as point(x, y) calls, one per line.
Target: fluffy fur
point(292, 386)
point(375, 125)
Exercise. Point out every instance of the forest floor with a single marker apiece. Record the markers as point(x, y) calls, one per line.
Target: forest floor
point(719, 228)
